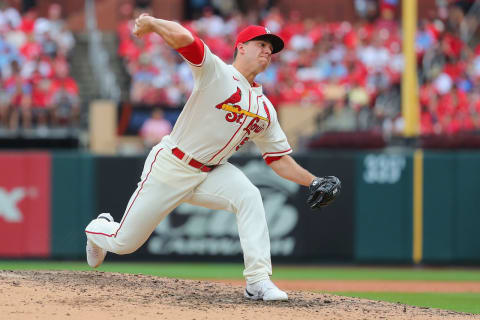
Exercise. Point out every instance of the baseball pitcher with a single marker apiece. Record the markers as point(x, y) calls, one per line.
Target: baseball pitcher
point(225, 110)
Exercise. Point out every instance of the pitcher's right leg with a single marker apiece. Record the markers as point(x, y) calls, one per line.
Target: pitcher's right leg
point(96, 254)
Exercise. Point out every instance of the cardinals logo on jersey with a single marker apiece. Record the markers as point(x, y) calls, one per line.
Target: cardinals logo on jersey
point(236, 113)
point(230, 105)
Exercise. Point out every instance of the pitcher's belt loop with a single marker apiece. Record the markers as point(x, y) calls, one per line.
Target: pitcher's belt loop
point(194, 163)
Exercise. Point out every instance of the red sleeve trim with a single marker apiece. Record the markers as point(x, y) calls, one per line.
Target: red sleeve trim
point(269, 154)
point(269, 160)
point(194, 52)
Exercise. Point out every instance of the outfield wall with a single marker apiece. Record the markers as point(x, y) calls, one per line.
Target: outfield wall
point(46, 200)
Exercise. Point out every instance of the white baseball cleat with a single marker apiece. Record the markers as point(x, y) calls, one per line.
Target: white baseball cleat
point(95, 254)
point(264, 290)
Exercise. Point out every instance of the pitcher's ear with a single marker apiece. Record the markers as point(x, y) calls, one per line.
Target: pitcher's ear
point(241, 47)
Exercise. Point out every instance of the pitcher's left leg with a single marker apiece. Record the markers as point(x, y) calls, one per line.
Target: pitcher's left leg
point(227, 188)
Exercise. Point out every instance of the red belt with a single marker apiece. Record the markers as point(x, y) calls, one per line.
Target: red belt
point(194, 163)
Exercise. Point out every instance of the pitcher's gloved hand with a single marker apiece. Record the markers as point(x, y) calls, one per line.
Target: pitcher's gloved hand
point(323, 190)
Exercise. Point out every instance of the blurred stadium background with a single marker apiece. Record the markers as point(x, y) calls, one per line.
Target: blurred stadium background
point(384, 94)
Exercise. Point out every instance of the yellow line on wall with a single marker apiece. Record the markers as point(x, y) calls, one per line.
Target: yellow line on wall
point(418, 206)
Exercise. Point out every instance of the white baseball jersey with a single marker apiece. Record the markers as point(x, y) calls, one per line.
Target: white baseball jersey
point(224, 112)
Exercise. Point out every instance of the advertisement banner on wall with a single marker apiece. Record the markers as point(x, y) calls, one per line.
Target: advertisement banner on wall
point(296, 232)
point(25, 204)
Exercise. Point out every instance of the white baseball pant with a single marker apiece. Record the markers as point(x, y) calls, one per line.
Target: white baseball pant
point(166, 182)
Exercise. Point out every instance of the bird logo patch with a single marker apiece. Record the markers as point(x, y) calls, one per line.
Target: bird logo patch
point(235, 112)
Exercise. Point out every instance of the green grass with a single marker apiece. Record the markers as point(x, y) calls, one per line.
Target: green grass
point(461, 302)
point(377, 273)
point(234, 271)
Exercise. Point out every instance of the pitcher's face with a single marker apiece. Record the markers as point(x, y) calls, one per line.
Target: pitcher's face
point(259, 51)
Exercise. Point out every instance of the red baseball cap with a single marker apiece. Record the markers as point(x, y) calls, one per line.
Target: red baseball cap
point(260, 33)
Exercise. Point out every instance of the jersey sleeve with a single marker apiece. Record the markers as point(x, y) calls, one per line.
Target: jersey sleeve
point(202, 62)
point(273, 142)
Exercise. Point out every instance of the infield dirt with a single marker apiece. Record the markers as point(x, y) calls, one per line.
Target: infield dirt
point(97, 295)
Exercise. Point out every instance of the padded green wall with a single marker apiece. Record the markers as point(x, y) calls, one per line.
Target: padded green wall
point(73, 202)
point(451, 208)
point(383, 207)
point(439, 206)
point(467, 190)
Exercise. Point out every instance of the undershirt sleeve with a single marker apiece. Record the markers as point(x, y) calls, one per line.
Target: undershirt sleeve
point(194, 52)
point(269, 160)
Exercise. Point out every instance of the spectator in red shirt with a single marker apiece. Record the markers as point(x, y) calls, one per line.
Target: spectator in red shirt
point(64, 99)
point(28, 22)
point(41, 96)
point(31, 49)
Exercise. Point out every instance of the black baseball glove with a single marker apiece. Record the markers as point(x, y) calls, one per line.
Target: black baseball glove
point(323, 190)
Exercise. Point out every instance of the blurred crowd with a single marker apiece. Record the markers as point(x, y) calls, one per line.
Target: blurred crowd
point(450, 72)
point(38, 92)
point(350, 70)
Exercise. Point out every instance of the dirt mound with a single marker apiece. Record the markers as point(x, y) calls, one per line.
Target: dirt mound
point(98, 295)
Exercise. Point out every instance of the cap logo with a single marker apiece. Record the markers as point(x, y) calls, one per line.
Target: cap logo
point(267, 31)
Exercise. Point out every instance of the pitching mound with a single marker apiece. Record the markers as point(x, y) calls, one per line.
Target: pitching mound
point(98, 295)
